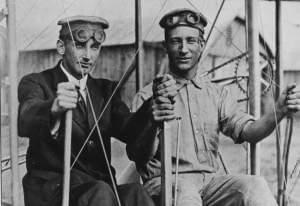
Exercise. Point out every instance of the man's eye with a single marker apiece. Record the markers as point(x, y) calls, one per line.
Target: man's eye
point(175, 41)
point(192, 40)
point(95, 46)
point(79, 45)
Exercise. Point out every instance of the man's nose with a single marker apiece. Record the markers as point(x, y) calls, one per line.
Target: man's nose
point(87, 55)
point(184, 47)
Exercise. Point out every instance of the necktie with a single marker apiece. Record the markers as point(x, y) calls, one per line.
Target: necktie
point(81, 103)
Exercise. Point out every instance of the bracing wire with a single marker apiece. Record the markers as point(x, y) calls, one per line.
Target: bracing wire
point(25, 16)
point(115, 89)
point(48, 25)
point(97, 126)
point(97, 6)
point(215, 27)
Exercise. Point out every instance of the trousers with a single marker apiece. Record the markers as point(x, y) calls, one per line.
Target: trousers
point(204, 189)
point(84, 191)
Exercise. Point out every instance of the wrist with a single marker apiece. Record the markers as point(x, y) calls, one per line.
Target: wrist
point(55, 111)
point(281, 111)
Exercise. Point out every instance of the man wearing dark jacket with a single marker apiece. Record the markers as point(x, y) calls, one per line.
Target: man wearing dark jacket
point(45, 97)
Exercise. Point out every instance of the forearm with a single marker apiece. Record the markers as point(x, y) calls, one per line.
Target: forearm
point(144, 143)
point(34, 115)
point(144, 148)
point(256, 131)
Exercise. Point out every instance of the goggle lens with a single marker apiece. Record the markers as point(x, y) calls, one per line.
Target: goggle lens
point(84, 35)
point(193, 19)
point(186, 17)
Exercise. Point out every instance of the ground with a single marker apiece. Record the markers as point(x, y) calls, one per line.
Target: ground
point(234, 156)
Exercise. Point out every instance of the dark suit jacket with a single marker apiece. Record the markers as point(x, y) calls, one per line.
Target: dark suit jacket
point(36, 94)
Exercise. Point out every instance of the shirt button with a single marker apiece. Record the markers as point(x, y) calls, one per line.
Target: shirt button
point(197, 131)
point(194, 116)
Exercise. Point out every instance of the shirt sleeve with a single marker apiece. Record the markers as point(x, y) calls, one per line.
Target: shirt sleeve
point(232, 117)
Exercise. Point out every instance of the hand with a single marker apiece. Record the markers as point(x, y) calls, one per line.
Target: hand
point(164, 85)
point(66, 98)
point(289, 100)
point(162, 109)
point(164, 92)
point(153, 187)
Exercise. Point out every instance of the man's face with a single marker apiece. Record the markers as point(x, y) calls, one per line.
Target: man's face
point(80, 57)
point(184, 48)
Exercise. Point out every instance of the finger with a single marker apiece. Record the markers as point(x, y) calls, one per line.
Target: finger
point(66, 85)
point(290, 88)
point(155, 190)
point(164, 106)
point(162, 78)
point(293, 102)
point(294, 108)
point(294, 91)
point(169, 77)
point(171, 91)
point(293, 96)
point(67, 105)
point(162, 99)
point(165, 84)
point(164, 118)
point(68, 93)
point(63, 98)
point(165, 112)
point(150, 183)
point(158, 78)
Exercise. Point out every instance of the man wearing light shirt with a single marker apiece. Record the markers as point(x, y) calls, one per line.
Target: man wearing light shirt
point(206, 110)
point(45, 97)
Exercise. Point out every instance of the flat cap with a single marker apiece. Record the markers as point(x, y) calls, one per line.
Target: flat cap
point(183, 17)
point(84, 19)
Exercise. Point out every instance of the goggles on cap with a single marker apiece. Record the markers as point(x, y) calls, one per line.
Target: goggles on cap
point(83, 35)
point(187, 17)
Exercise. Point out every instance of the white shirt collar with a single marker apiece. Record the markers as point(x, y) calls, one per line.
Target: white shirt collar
point(81, 82)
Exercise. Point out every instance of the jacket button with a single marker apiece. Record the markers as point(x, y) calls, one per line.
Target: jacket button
point(91, 143)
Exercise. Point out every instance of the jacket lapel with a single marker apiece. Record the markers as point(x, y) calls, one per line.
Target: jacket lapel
point(58, 77)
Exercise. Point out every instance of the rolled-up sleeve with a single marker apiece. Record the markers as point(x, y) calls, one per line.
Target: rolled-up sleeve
point(232, 118)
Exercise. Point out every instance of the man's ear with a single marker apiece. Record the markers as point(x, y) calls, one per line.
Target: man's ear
point(203, 43)
point(165, 45)
point(60, 47)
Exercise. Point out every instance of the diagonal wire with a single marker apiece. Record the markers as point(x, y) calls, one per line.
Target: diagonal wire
point(215, 27)
point(48, 25)
point(94, 116)
point(25, 16)
point(96, 7)
point(117, 87)
point(97, 126)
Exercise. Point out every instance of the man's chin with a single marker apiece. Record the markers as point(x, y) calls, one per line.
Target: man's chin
point(184, 67)
point(86, 70)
